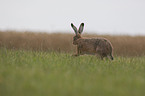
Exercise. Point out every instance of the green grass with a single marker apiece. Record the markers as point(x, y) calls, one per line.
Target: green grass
point(28, 73)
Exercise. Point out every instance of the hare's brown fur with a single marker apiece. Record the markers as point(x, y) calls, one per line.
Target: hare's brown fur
point(93, 46)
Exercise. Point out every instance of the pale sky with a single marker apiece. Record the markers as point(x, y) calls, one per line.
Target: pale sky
point(113, 17)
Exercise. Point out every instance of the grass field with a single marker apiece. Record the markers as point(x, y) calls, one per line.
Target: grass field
point(33, 73)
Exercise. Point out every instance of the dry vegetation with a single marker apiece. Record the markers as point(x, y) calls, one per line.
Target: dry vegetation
point(123, 45)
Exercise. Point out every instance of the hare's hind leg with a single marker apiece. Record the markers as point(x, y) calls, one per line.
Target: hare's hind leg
point(100, 56)
point(103, 55)
point(99, 53)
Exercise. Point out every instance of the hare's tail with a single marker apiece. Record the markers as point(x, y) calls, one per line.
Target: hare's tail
point(111, 57)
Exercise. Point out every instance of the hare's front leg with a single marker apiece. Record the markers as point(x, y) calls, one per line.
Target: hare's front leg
point(78, 51)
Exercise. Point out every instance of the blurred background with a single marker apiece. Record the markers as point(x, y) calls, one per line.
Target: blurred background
point(113, 17)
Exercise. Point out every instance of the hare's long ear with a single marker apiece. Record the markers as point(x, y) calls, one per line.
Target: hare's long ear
point(74, 27)
point(81, 28)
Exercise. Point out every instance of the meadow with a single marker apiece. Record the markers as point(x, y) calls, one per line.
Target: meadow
point(40, 64)
point(28, 73)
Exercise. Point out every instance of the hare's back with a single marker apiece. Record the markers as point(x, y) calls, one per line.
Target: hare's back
point(96, 42)
point(103, 44)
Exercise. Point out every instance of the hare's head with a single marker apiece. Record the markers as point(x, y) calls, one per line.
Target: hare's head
point(77, 32)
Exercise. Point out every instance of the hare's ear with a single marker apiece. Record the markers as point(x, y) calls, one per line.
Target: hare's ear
point(81, 28)
point(74, 27)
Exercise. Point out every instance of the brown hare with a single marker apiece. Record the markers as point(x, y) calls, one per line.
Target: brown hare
point(92, 46)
